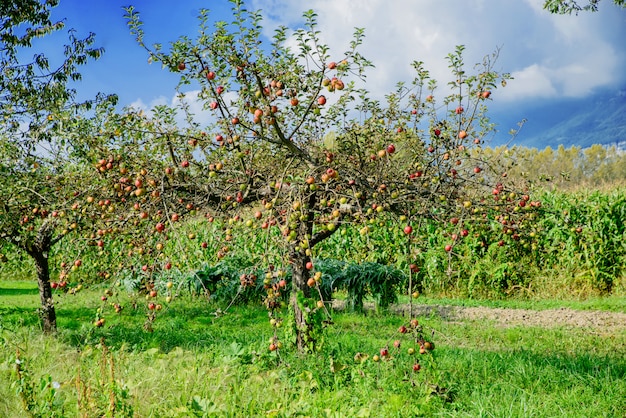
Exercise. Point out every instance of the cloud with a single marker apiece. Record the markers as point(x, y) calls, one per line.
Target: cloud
point(549, 55)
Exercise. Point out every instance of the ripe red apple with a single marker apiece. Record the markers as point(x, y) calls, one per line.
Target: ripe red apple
point(309, 265)
point(477, 170)
point(213, 105)
point(321, 100)
point(459, 110)
point(159, 227)
point(332, 65)
point(485, 94)
point(397, 343)
point(152, 306)
point(168, 266)
point(184, 164)
point(181, 66)
point(219, 89)
point(54, 285)
point(416, 367)
point(462, 134)
point(391, 149)
point(448, 247)
point(402, 330)
point(78, 263)
point(384, 352)
point(210, 75)
point(408, 229)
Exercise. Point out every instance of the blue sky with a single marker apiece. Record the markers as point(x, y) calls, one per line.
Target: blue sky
point(553, 58)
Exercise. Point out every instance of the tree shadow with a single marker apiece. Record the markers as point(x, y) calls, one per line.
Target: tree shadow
point(18, 292)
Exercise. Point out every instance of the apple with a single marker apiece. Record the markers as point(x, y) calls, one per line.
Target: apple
point(332, 65)
point(459, 110)
point(485, 94)
point(219, 89)
point(213, 105)
point(384, 352)
point(375, 358)
point(311, 282)
point(410, 351)
point(402, 330)
point(429, 98)
point(397, 343)
point(391, 149)
point(462, 134)
point(175, 217)
point(210, 75)
point(181, 66)
point(477, 170)
point(167, 266)
point(159, 227)
point(416, 367)
point(408, 229)
point(448, 247)
point(321, 100)
point(78, 263)
point(414, 323)
point(152, 306)
point(54, 285)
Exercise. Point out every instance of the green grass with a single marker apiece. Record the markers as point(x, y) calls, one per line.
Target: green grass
point(197, 363)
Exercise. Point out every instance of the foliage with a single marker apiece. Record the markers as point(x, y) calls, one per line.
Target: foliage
point(569, 6)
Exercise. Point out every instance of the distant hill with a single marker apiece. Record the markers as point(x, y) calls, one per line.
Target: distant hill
point(600, 119)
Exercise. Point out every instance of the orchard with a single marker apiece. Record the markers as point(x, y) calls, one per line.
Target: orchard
point(302, 179)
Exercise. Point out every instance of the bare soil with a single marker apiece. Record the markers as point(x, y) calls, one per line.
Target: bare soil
point(595, 321)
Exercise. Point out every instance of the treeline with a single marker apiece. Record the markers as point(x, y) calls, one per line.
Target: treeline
point(566, 168)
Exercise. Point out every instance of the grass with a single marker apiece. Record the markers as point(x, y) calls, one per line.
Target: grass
point(196, 363)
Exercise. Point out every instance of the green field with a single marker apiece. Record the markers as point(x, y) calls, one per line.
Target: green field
point(199, 363)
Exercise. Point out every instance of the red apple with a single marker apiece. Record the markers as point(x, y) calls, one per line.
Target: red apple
point(408, 229)
point(391, 148)
point(210, 75)
point(321, 100)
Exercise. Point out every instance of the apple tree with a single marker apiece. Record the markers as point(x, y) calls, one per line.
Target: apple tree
point(51, 180)
point(296, 148)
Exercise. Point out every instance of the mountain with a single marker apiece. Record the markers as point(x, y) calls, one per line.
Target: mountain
point(599, 119)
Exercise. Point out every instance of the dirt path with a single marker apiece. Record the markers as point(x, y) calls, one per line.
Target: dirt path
point(599, 321)
point(595, 321)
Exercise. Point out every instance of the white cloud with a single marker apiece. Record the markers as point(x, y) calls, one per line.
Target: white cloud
point(549, 55)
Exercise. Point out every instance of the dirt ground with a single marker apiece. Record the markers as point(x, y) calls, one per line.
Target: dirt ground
point(594, 321)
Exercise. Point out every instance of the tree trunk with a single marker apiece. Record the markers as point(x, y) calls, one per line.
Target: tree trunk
point(304, 323)
point(47, 311)
point(38, 249)
point(300, 277)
